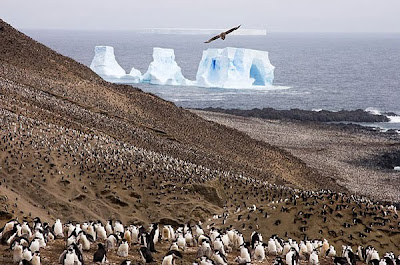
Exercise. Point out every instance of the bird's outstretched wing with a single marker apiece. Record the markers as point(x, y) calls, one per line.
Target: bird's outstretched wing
point(232, 29)
point(213, 39)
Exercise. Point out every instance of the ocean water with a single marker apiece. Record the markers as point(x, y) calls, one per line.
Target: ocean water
point(331, 71)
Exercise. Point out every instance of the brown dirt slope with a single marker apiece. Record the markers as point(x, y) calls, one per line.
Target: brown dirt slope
point(130, 115)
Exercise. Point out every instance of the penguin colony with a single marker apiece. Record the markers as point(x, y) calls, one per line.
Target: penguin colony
point(121, 178)
point(138, 244)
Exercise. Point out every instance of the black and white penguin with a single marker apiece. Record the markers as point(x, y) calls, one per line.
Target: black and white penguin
point(278, 261)
point(255, 237)
point(155, 232)
point(126, 262)
point(69, 257)
point(146, 255)
point(219, 258)
point(292, 257)
point(123, 249)
point(36, 258)
point(176, 253)
point(100, 255)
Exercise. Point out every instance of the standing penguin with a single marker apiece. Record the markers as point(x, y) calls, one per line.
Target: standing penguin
point(69, 258)
point(314, 258)
point(292, 257)
point(36, 258)
point(123, 249)
point(146, 255)
point(17, 253)
point(126, 262)
point(58, 229)
point(100, 255)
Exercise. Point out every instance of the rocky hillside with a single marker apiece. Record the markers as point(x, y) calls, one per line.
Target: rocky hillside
point(75, 147)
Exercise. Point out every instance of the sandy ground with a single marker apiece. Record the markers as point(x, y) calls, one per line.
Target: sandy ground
point(334, 152)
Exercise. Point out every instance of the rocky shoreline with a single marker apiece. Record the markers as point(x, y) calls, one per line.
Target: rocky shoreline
point(358, 158)
point(358, 115)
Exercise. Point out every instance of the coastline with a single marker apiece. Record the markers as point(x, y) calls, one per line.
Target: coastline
point(348, 154)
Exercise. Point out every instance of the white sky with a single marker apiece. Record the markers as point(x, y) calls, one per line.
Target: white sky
point(274, 15)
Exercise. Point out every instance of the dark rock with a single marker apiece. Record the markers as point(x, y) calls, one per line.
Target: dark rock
point(358, 115)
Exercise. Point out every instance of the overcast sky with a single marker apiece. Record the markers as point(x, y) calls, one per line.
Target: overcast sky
point(274, 15)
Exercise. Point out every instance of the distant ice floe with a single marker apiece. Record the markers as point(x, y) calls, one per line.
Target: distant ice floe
point(223, 68)
point(397, 168)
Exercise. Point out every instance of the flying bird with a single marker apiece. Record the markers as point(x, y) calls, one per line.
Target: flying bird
point(222, 35)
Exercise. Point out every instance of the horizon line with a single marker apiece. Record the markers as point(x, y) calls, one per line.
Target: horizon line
point(246, 29)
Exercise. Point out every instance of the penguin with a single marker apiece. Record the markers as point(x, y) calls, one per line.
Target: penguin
point(123, 249)
point(259, 252)
point(9, 235)
point(168, 260)
point(174, 246)
point(134, 234)
point(101, 232)
point(126, 262)
point(91, 231)
point(69, 258)
point(146, 255)
point(204, 249)
point(245, 253)
point(83, 239)
point(278, 261)
point(255, 237)
point(36, 258)
point(292, 257)
point(181, 242)
point(100, 255)
point(25, 230)
point(37, 223)
point(128, 236)
point(109, 229)
point(272, 247)
point(35, 245)
point(313, 260)
point(39, 234)
point(8, 227)
point(118, 227)
point(325, 246)
point(58, 229)
point(176, 253)
point(331, 252)
point(166, 233)
point(219, 258)
point(17, 253)
point(219, 245)
point(286, 248)
point(189, 238)
point(155, 233)
point(111, 242)
point(26, 254)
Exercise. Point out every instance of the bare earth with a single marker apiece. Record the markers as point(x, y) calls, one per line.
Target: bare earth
point(334, 152)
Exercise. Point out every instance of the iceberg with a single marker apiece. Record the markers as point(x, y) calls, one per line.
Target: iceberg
point(105, 65)
point(164, 70)
point(235, 68)
point(226, 68)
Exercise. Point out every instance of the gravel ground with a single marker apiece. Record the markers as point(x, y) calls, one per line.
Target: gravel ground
point(339, 154)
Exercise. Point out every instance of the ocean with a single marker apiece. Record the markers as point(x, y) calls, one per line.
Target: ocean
point(331, 71)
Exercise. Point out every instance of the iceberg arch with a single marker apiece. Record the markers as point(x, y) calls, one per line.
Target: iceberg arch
point(234, 68)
